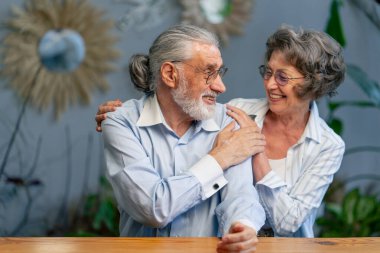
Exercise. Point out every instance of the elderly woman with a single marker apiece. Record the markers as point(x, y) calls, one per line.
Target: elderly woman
point(302, 153)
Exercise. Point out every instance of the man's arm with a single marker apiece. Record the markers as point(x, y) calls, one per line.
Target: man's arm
point(240, 213)
point(140, 190)
point(240, 200)
point(146, 195)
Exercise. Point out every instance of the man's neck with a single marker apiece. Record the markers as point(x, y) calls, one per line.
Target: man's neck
point(174, 116)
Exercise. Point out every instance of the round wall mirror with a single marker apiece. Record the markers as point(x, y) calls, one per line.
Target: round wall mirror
point(61, 50)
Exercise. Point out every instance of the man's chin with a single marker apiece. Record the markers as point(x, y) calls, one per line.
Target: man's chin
point(205, 114)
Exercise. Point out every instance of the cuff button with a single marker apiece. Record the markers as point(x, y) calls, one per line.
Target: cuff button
point(215, 186)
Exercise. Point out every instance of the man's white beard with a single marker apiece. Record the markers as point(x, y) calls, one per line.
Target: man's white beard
point(195, 108)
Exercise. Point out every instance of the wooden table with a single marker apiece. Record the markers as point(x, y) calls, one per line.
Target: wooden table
point(182, 245)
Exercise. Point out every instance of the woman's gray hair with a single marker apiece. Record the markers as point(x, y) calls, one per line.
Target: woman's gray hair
point(315, 55)
point(175, 44)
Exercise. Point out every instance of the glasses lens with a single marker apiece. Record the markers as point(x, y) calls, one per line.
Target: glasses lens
point(222, 71)
point(262, 70)
point(281, 78)
point(212, 76)
point(265, 72)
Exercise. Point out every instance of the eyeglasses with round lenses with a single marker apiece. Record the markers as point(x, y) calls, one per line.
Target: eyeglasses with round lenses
point(210, 75)
point(279, 76)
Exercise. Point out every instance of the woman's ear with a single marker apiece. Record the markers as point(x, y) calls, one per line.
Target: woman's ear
point(169, 74)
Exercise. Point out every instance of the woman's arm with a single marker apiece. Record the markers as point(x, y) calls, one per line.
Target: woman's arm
point(288, 206)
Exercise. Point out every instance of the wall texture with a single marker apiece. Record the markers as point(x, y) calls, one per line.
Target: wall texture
point(71, 150)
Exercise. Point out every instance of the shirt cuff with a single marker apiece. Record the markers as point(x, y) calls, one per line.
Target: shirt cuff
point(210, 175)
point(249, 224)
point(271, 180)
point(245, 222)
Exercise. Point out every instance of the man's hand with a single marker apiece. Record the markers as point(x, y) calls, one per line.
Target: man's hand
point(232, 146)
point(101, 115)
point(240, 238)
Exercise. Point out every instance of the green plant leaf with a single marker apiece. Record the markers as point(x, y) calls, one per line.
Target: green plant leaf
point(332, 234)
point(106, 215)
point(365, 231)
point(334, 25)
point(334, 105)
point(227, 10)
point(349, 203)
point(337, 104)
point(334, 209)
point(81, 233)
point(365, 208)
point(370, 87)
point(337, 125)
point(90, 205)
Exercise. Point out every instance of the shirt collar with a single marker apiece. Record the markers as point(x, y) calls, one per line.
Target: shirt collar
point(152, 115)
point(313, 130)
point(208, 125)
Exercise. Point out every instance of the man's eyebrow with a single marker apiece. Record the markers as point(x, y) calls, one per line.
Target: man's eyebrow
point(213, 66)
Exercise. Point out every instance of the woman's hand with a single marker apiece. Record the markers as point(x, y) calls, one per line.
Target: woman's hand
point(243, 119)
point(260, 164)
point(101, 115)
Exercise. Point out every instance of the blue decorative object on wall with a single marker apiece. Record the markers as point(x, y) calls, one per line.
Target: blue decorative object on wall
point(61, 50)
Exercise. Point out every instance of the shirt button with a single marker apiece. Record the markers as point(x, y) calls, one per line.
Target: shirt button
point(215, 186)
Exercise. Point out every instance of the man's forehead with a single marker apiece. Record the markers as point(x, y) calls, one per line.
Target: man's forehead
point(207, 53)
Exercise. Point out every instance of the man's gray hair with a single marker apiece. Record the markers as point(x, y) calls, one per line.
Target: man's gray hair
point(174, 44)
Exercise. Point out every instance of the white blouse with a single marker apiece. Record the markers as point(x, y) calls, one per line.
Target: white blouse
point(292, 196)
point(278, 166)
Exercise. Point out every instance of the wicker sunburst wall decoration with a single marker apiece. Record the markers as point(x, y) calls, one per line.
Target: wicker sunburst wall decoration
point(57, 52)
point(223, 17)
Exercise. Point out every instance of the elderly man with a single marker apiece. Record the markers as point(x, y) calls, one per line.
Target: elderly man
point(166, 180)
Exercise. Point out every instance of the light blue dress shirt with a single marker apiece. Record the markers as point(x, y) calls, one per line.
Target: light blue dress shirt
point(291, 199)
point(167, 185)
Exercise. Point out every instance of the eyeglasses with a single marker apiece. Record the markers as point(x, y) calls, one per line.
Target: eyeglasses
point(279, 76)
point(210, 75)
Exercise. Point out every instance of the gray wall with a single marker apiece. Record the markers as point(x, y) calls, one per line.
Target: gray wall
point(65, 143)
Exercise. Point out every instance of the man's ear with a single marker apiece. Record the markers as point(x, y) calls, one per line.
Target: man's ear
point(169, 74)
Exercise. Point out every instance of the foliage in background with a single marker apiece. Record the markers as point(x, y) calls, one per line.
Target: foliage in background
point(29, 70)
point(98, 216)
point(370, 87)
point(352, 213)
point(358, 215)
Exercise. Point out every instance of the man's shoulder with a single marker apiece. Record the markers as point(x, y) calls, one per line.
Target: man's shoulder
point(250, 106)
point(129, 111)
point(220, 116)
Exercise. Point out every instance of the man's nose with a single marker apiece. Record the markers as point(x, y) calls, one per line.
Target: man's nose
point(217, 85)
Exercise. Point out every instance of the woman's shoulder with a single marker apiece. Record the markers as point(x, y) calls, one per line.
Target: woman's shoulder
point(249, 105)
point(329, 134)
point(325, 131)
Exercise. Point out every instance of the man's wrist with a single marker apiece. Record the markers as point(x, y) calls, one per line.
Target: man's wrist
point(219, 159)
point(211, 179)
